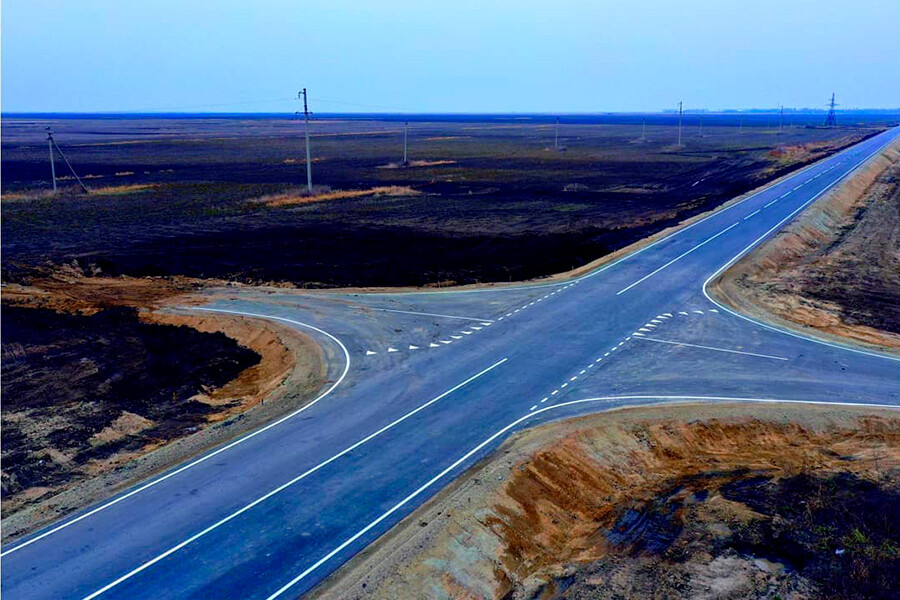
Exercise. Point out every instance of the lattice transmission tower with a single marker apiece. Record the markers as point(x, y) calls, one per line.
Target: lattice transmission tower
point(830, 120)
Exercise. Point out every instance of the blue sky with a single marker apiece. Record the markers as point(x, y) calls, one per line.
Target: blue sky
point(459, 56)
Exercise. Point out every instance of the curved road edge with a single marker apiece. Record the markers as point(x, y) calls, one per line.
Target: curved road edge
point(88, 512)
point(801, 334)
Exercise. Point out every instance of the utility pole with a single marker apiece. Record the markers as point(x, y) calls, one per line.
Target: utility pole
point(405, 135)
point(556, 137)
point(680, 112)
point(53, 145)
point(308, 159)
point(52, 164)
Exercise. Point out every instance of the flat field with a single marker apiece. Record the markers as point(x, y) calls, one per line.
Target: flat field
point(483, 199)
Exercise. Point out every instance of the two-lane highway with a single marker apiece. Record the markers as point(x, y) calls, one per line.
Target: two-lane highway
point(275, 512)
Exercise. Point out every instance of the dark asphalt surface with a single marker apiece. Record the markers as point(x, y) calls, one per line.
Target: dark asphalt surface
point(425, 396)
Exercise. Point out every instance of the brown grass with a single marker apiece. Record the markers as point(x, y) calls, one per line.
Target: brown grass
point(297, 197)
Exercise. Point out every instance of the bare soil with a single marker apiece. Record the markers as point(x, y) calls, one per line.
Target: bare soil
point(80, 391)
point(483, 201)
point(836, 268)
point(688, 501)
point(103, 386)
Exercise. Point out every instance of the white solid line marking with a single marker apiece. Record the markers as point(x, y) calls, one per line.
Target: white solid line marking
point(426, 314)
point(284, 486)
point(650, 339)
point(753, 244)
point(220, 450)
point(751, 214)
point(512, 425)
point(676, 259)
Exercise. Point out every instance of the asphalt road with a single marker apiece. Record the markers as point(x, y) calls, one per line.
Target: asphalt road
point(426, 384)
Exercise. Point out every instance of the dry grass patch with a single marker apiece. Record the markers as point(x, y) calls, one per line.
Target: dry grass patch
point(298, 197)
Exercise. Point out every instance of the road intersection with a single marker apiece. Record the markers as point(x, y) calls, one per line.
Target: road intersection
point(423, 385)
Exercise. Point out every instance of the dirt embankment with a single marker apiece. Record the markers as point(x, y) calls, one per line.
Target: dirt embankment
point(834, 269)
point(103, 387)
point(692, 501)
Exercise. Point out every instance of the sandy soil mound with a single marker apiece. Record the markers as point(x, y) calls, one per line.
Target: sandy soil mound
point(836, 268)
point(724, 501)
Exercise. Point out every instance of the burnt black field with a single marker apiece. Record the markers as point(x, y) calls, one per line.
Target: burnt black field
point(178, 195)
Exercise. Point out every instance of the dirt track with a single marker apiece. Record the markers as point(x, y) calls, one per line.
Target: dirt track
point(675, 502)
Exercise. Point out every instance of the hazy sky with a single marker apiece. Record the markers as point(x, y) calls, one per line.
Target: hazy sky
point(457, 56)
